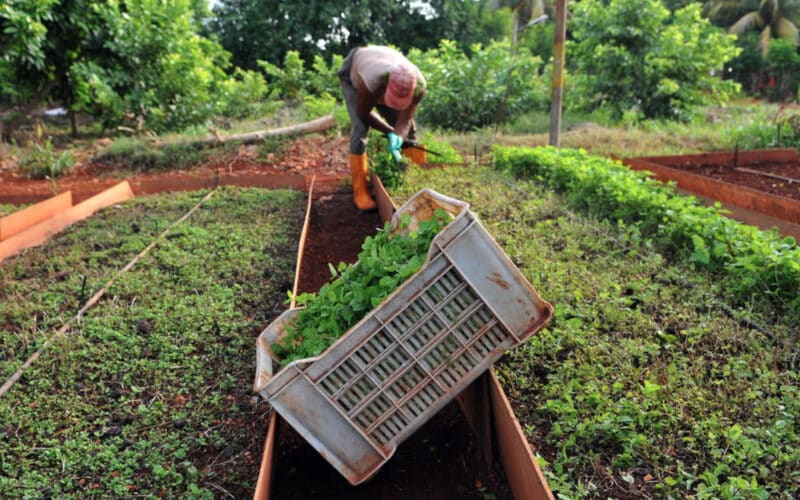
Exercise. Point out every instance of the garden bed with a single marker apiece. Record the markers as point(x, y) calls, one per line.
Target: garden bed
point(440, 461)
point(149, 394)
point(750, 183)
point(647, 382)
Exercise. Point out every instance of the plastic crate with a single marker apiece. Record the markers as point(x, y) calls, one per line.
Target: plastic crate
point(411, 355)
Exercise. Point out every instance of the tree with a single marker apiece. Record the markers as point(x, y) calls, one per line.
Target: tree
point(636, 56)
point(775, 18)
point(266, 30)
point(114, 59)
point(23, 64)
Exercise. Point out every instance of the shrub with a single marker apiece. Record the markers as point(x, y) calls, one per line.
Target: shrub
point(492, 85)
point(638, 56)
point(41, 162)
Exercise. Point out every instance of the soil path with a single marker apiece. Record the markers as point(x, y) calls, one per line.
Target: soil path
point(439, 461)
point(299, 159)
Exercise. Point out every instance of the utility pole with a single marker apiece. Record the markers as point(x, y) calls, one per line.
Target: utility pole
point(558, 72)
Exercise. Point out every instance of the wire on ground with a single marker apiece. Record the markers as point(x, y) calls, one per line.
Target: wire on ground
point(94, 298)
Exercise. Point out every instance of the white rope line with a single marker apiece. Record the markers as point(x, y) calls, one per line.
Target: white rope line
point(94, 298)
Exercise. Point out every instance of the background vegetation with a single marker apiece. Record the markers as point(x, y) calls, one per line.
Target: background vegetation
point(152, 66)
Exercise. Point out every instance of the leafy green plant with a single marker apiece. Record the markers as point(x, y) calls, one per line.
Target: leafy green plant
point(386, 261)
point(491, 85)
point(42, 162)
point(756, 263)
point(637, 57)
point(152, 384)
point(645, 383)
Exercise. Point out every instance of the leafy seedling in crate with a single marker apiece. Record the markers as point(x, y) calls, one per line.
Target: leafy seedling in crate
point(386, 260)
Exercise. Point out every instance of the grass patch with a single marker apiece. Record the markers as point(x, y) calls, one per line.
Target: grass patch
point(150, 394)
point(6, 209)
point(713, 129)
point(645, 383)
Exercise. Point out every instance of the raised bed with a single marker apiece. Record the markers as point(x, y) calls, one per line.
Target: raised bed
point(498, 436)
point(646, 384)
point(760, 187)
point(148, 395)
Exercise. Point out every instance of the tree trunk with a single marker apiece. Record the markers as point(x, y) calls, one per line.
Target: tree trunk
point(318, 125)
point(73, 123)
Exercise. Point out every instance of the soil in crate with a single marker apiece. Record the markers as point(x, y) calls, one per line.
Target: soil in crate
point(438, 462)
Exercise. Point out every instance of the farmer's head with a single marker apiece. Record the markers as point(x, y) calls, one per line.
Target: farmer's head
point(400, 87)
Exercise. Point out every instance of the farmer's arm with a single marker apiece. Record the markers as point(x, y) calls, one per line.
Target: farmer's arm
point(365, 107)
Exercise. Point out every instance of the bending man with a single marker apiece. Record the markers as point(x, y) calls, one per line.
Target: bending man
point(378, 78)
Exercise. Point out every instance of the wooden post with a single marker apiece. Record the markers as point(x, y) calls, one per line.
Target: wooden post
point(558, 72)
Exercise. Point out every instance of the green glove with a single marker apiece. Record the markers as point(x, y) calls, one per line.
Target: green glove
point(395, 142)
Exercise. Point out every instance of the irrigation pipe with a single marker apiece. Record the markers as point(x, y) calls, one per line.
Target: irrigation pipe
point(94, 298)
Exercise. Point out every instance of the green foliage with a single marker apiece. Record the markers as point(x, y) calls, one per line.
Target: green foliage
point(773, 19)
point(754, 263)
point(42, 162)
point(643, 373)
point(768, 128)
point(391, 173)
point(154, 382)
point(749, 67)
point(470, 92)
point(23, 34)
point(635, 56)
point(385, 262)
point(124, 62)
point(293, 81)
point(382, 163)
point(241, 95)
point(266, 30)
point(784, 64)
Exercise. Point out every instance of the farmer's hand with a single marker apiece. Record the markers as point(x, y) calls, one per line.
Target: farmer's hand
point(395, 142)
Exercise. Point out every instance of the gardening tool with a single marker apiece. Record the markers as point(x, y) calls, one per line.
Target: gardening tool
point(412, 144)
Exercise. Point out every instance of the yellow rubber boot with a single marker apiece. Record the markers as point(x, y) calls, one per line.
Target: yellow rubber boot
point(416, 155)
point(361, 197)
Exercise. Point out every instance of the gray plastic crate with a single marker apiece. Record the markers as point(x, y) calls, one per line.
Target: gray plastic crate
point(411, 355)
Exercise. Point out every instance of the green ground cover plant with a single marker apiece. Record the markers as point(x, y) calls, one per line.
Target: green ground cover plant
point(755, 265)
point(647, 382)
point(150, 392)
point(385, 262)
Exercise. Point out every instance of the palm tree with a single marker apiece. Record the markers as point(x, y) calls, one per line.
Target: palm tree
point(775, 18)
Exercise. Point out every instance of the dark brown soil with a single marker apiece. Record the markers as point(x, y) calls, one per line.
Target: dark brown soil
point(439, 461)
point(335, 233)
point(734, 175)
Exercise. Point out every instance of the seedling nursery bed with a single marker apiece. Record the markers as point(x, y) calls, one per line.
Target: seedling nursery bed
point(149, 393)
point(647, 382)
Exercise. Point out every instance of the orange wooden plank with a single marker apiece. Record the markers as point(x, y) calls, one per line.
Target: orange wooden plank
point(749, 157)
point(39, 233)
point(264, 484)
point(524, 474)
point(726, 192)
point(30, 216)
